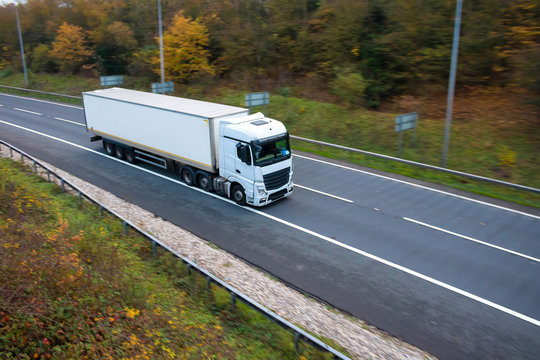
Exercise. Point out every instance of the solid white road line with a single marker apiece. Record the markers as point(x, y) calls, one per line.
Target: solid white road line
point(43, 101)
point(28, 111)
point(420, 186)
point(473, 239)
point(307, 231)
point(69, 121)
point(323, 193)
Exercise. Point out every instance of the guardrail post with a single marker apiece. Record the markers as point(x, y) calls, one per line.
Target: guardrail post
point(125, 227)
point(11, 152)
point(35, 169)
point(153, 248)
point(209, 282)
point(100, 212)
point(22, 158)
point(297, 341)
point(63, 185)
point(233, 302)
point(188, 267)
point(80, 198)
point(48, 175)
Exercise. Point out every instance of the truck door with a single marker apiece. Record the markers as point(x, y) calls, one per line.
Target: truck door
point(244, 163)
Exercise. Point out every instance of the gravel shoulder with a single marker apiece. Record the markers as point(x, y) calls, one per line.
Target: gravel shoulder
point(360, 339)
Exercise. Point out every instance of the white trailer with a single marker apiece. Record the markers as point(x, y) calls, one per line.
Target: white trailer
point(214, 146)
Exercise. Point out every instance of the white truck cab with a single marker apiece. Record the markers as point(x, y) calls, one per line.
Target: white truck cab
point(256, 154)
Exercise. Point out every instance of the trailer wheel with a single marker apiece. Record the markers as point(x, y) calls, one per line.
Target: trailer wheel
point(188, 175)
point(130, 156)
point(238, 195)
point(109, 147)
point(120, 152)
point(204, 181)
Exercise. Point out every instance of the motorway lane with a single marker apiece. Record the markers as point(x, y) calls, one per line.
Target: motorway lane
point(330, 272)
point(492, 224)
point(452, 260)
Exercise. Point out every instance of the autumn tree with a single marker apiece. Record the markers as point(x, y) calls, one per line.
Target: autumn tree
point(69, 48)
point(114, 47)
point(185, 49)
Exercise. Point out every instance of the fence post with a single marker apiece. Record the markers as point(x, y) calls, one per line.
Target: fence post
point(233, 302)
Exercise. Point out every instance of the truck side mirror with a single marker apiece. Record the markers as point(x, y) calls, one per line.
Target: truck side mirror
point(243, 153)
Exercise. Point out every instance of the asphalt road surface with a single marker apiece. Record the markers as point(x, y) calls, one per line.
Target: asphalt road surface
point(453, 274)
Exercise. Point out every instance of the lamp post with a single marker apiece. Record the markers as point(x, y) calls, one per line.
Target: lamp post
point(21, 44)
point(162, 67)
point(451, 83)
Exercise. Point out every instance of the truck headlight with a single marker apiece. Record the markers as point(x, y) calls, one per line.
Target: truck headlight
point(260, 190)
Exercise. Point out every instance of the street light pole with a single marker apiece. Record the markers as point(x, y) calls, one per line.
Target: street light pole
point(451, 83)
point(21, 44)
point(162, 67)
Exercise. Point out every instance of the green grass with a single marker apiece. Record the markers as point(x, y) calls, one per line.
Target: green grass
point(73, 285)
point(494, 146)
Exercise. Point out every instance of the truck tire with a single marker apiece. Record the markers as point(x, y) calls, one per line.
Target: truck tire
point(238, 195)
point(188, 175)
point(120, 152)
point(130, 156)
point(204, 181)
point(109, 147)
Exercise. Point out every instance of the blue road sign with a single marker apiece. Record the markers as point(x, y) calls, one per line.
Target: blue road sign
point(158, 88)
point(256, 99)
point(406, 121)
point(111, 80)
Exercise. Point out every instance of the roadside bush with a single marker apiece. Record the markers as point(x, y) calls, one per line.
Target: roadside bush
point(6, 72)
point(41, 60)
point(349, 86)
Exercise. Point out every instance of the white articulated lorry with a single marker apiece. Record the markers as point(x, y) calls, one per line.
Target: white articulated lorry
point(217, 147)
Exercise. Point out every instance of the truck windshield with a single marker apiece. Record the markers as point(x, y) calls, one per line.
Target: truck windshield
point(270, 151)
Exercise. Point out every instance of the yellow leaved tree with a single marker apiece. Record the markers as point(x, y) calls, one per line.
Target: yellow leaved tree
point(185, 50)
point(69, 48)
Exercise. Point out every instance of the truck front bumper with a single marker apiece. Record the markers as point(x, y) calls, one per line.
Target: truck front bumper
point(270, 197)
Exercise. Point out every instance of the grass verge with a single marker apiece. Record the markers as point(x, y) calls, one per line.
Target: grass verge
point(74, 285)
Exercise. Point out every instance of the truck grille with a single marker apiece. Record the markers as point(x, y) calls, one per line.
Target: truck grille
point(276, 179)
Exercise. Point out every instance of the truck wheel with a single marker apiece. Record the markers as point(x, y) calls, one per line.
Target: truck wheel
point(120, 152)
point(204, 181)
point(109, 148)
point(130, 156)
point(238, 195)
point(188, 176)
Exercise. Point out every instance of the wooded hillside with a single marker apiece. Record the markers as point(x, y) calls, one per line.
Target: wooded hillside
point(362, 51)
